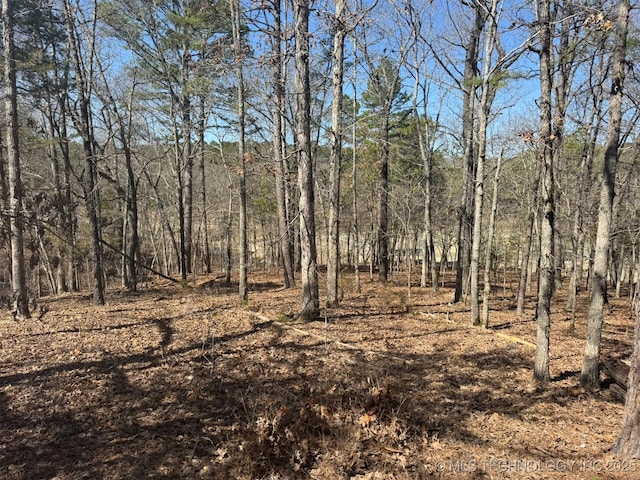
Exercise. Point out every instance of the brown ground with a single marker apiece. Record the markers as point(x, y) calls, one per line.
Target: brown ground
point(188, 383)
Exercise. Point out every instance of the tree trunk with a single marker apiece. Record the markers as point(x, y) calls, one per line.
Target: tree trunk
point(5, 228)
point(181, 204)
point(69, 224)
point(284, 224)
point(242, 274)
point(526, 253)
point(130, 241)
point(565, 59)
point(584, 186)
point(85, 128)
point(132, 210)
point(16, 190)
point(354, 181)
point(545, 157)
point(486, 99)
point(187, 165)
point(469, 88)
point(203, 185)
point(425, 143)
point(628, 441)
point(228, 239)
point(490, 235)
point(164, 218)
point(308, 261)
point(590, 376)
point(383, 202)
point(335, 161)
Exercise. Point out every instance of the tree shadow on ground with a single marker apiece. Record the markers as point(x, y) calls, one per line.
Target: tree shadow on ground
point(259, 399)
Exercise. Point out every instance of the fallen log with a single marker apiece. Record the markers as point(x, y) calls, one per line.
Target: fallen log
point(618, 372)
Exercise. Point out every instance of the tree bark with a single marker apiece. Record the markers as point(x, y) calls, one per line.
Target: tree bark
point(545, 157)
point(526, 253)
point(486, 99)
point(284, 224)
point(308, 253)
point(243, 292)
point(229, 238)
point(490, 235)
point(628, 441)
point(426, 128)
point(16, 190)
point(469, 88)
point(429, 254)
point(590, 376)
point(335, 161)
point(383, 202)
point(203, 185)
point(354, 175)
point(85, 128)
point(131, 241)
point(584, 186)
point(187, 187)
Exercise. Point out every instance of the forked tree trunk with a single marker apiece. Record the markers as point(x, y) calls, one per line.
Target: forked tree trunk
point(590, 376)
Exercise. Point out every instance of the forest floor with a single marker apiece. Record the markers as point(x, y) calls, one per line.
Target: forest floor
point(175, 382)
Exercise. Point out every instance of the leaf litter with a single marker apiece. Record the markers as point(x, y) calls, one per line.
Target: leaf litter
point(189, 383)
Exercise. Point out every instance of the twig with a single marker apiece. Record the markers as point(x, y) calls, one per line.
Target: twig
point(335, 342)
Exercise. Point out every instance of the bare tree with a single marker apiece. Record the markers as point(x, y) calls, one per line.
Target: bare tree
point(545, 157)
point(484, 107)
point(491, 70)
point(308, 252)
point(202, 121)
point(528, 243)
point(594, 124)
point(489, 248)
point(469, 87)
point(354, 175)
point(590, 376)
point(335, 161)
point(122, 134)
point(426, 129)
point(16, 191)
point(383, 97)
point(237, 40)
point(278, 66)
point(82, 65)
